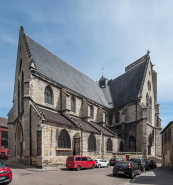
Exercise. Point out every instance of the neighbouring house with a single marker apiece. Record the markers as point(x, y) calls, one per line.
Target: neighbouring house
point(59, 111)
point(3, 138)
point(167, 145)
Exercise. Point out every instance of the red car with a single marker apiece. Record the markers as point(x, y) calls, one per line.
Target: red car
point(5, 173)
point(78, 162)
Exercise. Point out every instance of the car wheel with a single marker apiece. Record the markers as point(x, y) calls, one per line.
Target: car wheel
point(132, 175)
point(108, 165)
point(78, 168)
point(143, 169)
point(92, 167)
point(114, 174)
point(99, 166)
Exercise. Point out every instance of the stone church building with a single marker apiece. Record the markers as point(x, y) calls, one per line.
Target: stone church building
point(59, 111)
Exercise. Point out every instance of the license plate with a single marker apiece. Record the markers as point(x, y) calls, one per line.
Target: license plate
point(69, 164)
point(1, 178)
point(121, 172)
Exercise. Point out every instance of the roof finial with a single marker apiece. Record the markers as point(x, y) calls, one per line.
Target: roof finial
point(148, 52)
point(102, 71)
point(21, 29)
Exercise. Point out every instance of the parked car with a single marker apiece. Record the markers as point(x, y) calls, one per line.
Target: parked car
point(78, 162)
point(101, 163)
point(147, 165)
point(127, 168)
point(142, 163)
point(152, 163)
point(5, 173)
point(113, 161)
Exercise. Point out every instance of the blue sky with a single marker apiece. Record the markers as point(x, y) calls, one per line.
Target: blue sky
point(89, 35)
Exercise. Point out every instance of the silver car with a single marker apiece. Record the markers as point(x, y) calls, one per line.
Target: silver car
point(101, 163)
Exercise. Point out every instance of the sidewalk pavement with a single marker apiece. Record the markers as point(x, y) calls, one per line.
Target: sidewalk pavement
point(36, 169)
point(159, 176)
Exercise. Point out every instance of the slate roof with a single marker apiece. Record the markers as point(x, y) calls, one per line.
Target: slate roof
point(56, 118)
point(105, 131)
point(125, 88)
point(58, 70)
point(86, 126)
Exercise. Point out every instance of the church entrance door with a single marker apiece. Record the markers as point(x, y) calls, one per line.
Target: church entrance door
point(76, 146)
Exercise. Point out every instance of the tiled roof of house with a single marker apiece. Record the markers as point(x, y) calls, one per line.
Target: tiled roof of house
point(3, 122)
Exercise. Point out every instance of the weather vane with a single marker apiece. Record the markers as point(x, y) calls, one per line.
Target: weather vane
point(102, 71)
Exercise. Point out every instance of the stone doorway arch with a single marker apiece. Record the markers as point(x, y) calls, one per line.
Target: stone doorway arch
point(19, 140)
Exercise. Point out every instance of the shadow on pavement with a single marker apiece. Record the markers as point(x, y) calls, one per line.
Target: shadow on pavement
point(119, 176)
point(159, 176)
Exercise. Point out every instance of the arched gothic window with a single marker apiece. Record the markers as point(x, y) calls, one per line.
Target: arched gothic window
point(72, 104)
point(64, 139)
point(117, 117)
point(110, 119)
point(109, 144)
point(91, 111)
point(18, 96)
point(48, 95)
point(150, 110)
point(147, 99)
point(149, 86)
point(132, 144)
point(92, 142)
point(121, 146)
point(22, 91)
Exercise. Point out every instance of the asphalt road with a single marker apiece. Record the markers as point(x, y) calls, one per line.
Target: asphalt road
point(103, 176)
point(96, 176)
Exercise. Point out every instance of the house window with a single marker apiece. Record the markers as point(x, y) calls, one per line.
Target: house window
point(48, 95)
point(117, 117)
point(91, 112)
point(92, 142)
point(4, 139)
point(109, 144)
point(169, 134)
point(72, 104)
point(2, 154)
point(64, 140)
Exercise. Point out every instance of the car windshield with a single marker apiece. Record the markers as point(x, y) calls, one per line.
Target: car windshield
point(70, 159)
point(122, 164)
point(112, 160)
point(136, 160)
point(2, 164)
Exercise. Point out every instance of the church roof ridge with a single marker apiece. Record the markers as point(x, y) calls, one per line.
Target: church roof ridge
point(53, 67)
point(61, 59)
point(137, 61)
